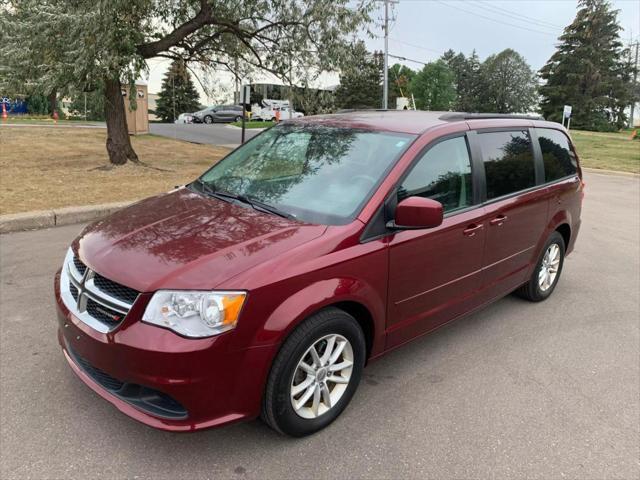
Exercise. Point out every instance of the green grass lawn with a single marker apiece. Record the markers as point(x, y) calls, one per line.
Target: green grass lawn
point(254, 124)
point(43, 120)
point(608, 151)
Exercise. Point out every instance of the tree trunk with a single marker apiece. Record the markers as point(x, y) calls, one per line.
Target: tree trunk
point(53, 102)
point(118, 143)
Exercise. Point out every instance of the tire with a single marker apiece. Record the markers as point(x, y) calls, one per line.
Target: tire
point(238, 118)
point(278, 409)
point(533, 290)
point(208, 119)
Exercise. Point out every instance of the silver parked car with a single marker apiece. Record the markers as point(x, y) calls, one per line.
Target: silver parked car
point(219, 113)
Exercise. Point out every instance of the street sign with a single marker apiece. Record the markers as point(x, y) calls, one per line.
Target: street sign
point(567, 111)
point(245, 95)
point(245, 99)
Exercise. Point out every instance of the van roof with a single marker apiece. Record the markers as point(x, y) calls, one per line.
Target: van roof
point(405, 121)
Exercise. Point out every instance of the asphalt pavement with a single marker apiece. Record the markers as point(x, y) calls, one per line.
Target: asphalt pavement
point(517, 390)
point(214, 134)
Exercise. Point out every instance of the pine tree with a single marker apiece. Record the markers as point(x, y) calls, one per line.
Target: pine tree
point(177, 94)
point(361, 82)
point(588, 71)
point(467, 81)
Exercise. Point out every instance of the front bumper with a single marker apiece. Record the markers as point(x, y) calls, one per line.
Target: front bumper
point(194, 383)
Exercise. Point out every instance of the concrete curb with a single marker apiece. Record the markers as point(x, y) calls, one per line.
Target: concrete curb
point(16, 222)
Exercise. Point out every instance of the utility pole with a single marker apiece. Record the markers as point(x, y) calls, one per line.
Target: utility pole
point(385, 87)
point(385, 91)
point(635, 82)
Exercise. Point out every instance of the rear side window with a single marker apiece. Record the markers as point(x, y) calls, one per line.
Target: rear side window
point(559, 160)
point(442, 174)
point(508, 162)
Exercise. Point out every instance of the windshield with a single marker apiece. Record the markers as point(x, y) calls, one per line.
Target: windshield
point(317, 174)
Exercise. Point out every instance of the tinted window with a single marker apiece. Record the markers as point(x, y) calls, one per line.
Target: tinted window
point(508, 162)
point(318, 174)
point(442, 174)
point(557, 156)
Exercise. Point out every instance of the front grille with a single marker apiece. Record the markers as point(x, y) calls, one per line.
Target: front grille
point(114, 289)
point(147, 399)
point(95, 300)
point(104, 379)
point(103, 313)
point(81, 267)
point(74, 291)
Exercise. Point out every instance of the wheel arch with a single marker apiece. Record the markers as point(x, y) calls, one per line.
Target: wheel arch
point(353, 296)
point(565, 230)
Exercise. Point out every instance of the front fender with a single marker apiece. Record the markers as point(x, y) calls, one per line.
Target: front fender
point(316, 296)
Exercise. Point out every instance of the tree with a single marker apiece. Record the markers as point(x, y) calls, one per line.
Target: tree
point(94, 102)
point(588, 71)
point(313, 101)
point(108, 42)
point(178, 93)
point(433, 87)
point(400, 78)
point(508, 84)
point(361, 80)
point(468, 81)
point(20, 72)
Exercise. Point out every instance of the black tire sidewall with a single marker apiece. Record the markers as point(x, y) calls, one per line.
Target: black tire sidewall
point(208, 119)
point(287, 420)
point(537, 291)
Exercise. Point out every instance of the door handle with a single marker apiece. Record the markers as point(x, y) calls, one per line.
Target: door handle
point(499, 220)
point(471, 230)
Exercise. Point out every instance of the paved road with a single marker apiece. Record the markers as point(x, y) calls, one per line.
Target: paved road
point(517, 390)
point(215, 134)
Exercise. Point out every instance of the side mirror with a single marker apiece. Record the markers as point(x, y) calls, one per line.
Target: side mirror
point(417, 212)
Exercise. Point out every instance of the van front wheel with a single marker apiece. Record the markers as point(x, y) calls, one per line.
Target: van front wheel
point(315, 374)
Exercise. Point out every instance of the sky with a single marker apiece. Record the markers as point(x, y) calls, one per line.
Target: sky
point(422, 30)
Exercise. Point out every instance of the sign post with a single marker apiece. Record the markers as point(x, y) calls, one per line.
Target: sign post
point(245, 98)
point(566, 113)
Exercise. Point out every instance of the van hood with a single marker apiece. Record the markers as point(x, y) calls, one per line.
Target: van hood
point(185, 240)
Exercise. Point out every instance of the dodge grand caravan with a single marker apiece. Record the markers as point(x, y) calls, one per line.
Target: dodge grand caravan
point(265, 286)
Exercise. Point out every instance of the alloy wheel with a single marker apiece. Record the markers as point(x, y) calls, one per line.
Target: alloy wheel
point(550, 266)
point(321, 376)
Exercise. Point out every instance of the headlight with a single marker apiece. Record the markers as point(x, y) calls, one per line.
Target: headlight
point(193, 313)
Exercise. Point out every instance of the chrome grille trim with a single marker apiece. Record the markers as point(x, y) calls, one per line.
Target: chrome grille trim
point(87, 289)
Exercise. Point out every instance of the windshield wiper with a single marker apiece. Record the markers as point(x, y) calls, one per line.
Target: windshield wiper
point(265, 207)
point(209, 190)
point(257, 204)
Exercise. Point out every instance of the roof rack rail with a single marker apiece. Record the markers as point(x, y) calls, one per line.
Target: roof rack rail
point(350, 110)
point(455, 116)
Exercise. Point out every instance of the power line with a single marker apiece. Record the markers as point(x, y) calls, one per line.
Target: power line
point(414, 45)
point(407, 59)
point(493, 19)
point(519, 16)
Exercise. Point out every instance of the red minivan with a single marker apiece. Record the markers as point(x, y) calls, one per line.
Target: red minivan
point(264, 287)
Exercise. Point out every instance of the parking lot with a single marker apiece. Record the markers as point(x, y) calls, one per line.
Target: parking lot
point(215, 134)
point(517, 390)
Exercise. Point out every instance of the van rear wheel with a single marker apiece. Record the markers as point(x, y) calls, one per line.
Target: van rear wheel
point(547, 272)
point(315, 373)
